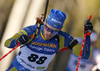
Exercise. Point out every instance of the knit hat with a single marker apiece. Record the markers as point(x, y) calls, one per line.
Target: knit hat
point(56, 18)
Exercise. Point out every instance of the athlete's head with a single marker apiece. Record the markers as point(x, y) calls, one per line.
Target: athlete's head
point(54, 23)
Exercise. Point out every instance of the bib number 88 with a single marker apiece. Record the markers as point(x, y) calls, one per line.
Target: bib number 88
point(34, 57)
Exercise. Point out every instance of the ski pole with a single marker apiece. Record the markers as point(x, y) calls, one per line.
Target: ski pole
point(82, 48)
point(10, 51)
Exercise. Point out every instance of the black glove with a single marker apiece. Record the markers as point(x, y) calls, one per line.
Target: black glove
point(23, 39)
point(88, 27)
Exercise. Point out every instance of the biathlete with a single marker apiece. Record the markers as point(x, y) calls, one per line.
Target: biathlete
point(40, 43)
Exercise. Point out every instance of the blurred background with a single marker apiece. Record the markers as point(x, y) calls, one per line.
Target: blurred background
point(16, 14)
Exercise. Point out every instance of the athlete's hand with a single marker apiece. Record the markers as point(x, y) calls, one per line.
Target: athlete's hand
point(23, 39)
point(88, 27)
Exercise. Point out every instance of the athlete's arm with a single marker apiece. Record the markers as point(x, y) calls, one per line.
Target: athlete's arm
point(11, 42)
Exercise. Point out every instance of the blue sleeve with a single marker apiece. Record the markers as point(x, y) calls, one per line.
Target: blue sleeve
point(30, 29)
point(67, 38)
point(11, 43)
point(86, 49)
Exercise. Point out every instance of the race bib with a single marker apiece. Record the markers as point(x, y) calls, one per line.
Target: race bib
point(32, 60)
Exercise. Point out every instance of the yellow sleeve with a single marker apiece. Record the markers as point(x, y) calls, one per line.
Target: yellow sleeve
point(90, 53)
point(16, 36)
point(77, 49)
point(13, 69)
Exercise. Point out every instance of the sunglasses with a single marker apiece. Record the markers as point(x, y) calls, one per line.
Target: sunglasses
point(50, 30)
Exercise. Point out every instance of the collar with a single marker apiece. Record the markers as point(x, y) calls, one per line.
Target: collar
point(42, 31)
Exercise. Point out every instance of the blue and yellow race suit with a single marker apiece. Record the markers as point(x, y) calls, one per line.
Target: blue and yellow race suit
point(36, 55)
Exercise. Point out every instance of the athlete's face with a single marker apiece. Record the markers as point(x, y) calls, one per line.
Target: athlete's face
point(50, 31)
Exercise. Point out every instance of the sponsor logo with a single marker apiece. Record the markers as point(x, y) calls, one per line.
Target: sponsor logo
point(56, 21)
point(26, 63)
point(44, 44)
point(43, 49)
point(40, 68)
